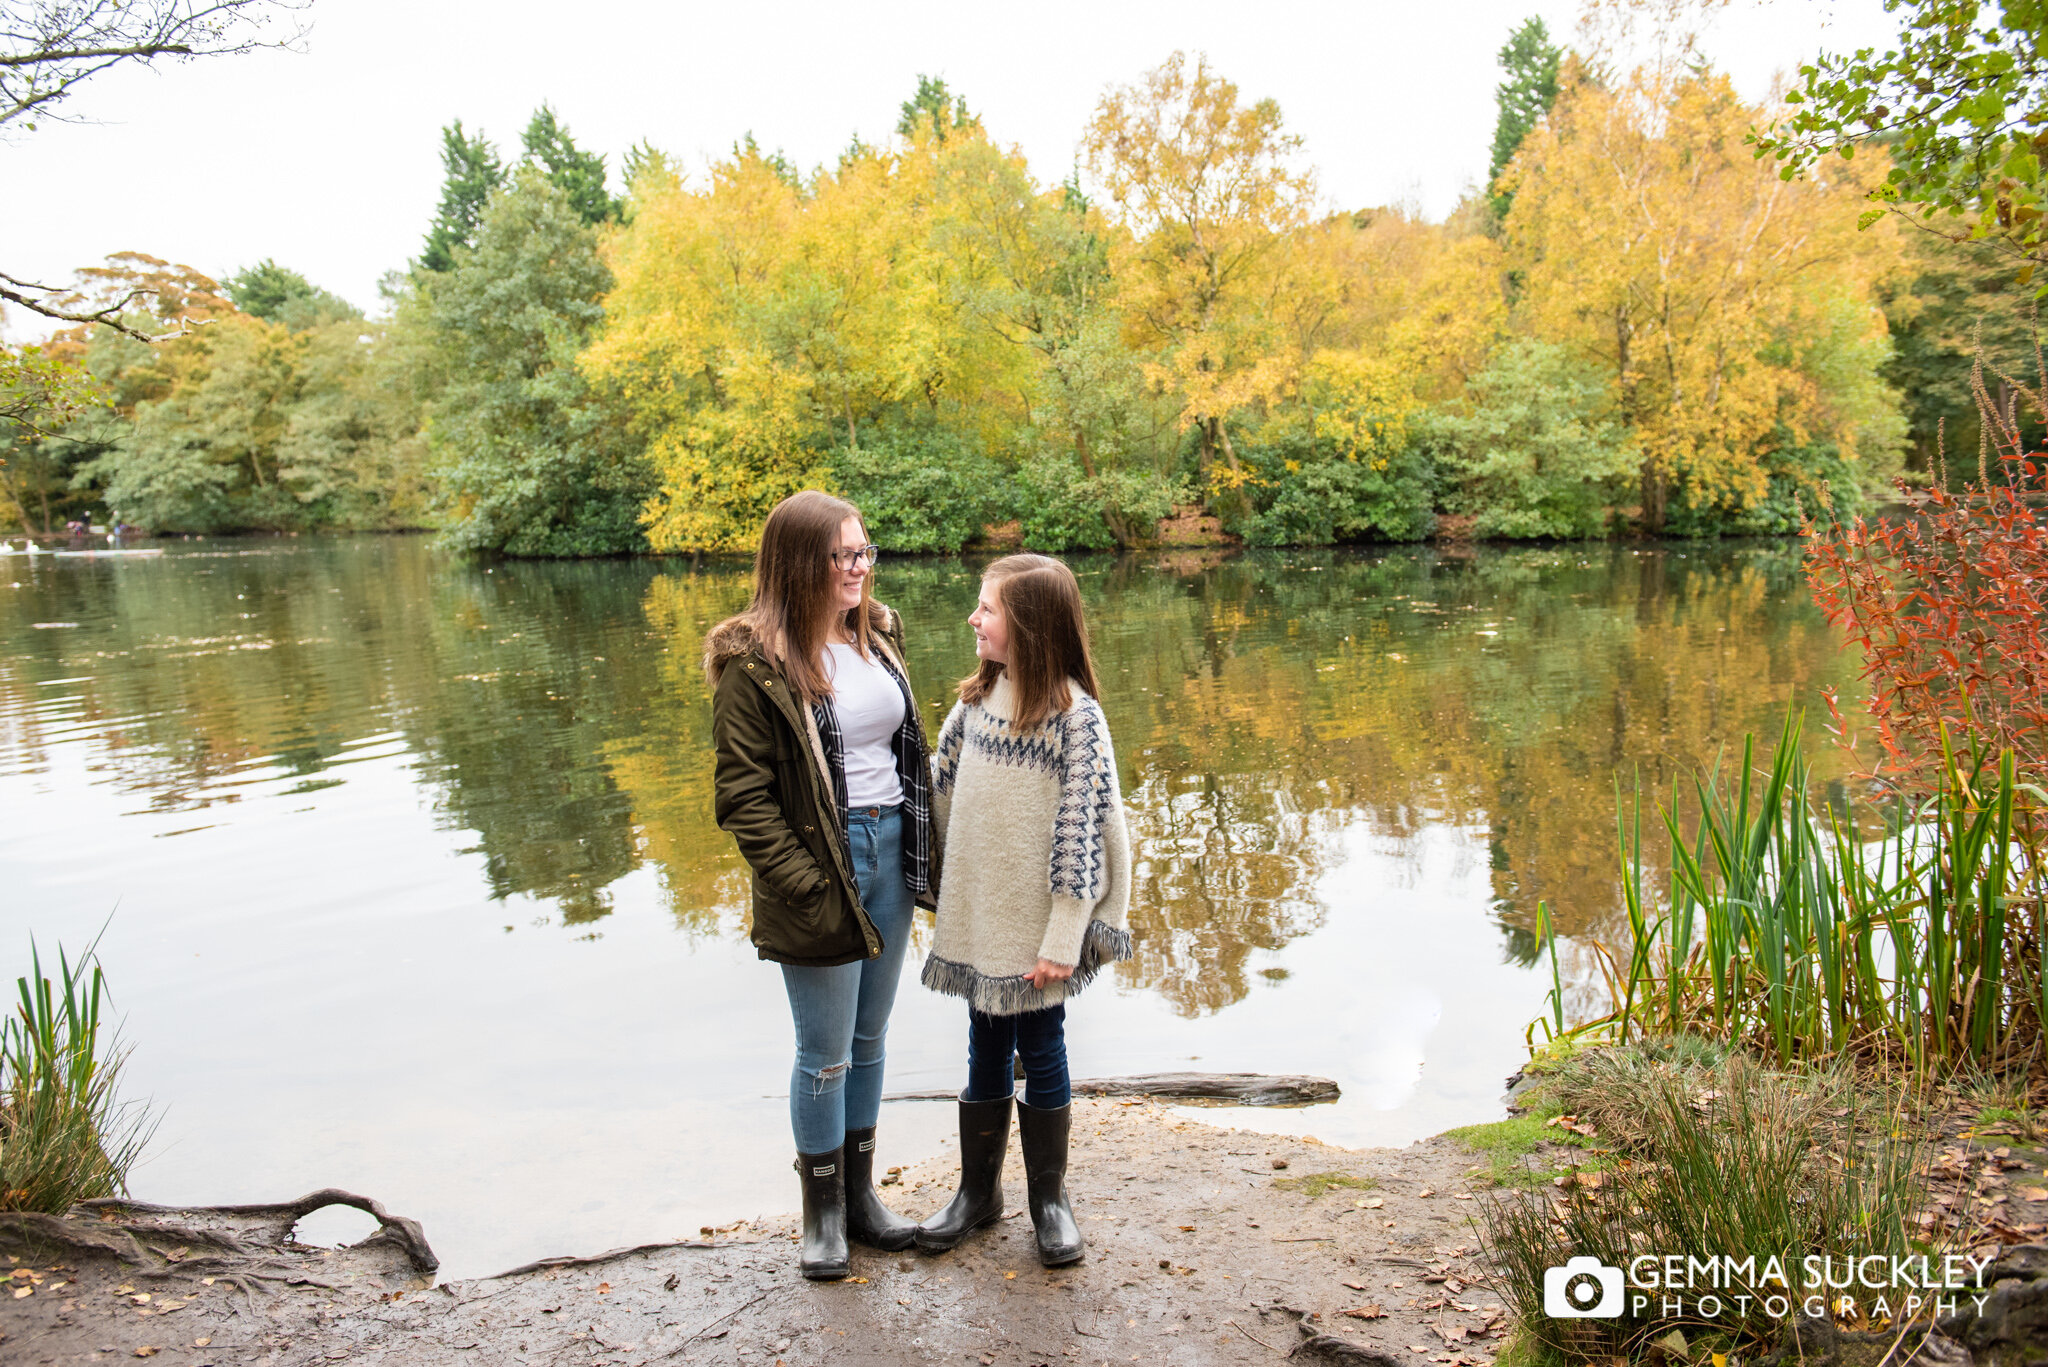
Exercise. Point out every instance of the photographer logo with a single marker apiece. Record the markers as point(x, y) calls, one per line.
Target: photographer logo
point(1583, 1289)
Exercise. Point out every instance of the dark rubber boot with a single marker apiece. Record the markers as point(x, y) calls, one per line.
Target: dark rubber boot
point(868, 1221)
point(823, 1257)
point(1043, 1134)
point(984, 1135)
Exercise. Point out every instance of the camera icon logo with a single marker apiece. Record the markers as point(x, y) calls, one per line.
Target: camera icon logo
point(1583, 1289)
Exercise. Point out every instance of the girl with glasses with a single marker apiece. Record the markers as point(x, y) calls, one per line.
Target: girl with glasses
point(823, 779)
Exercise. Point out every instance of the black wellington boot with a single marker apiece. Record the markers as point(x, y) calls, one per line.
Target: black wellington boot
point(823, 1256)
point(868, 1221)
point(984, 1135)
point(1043, 1134)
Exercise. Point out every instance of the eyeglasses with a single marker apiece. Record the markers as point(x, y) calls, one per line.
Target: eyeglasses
point(844, 560)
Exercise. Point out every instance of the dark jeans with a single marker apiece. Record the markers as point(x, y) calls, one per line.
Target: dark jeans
point(1039, 1038)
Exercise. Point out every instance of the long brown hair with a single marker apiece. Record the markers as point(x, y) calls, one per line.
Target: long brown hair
point(792, 614)
point(1041, 603)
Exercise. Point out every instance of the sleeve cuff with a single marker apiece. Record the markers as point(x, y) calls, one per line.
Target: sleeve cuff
point(1065, 931)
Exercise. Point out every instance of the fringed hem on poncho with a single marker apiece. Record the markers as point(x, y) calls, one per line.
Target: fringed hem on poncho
point(1101, 944)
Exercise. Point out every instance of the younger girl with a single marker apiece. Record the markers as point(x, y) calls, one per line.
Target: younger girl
point(1037, 887)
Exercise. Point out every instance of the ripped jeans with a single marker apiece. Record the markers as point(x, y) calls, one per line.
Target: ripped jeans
point(842, 1013)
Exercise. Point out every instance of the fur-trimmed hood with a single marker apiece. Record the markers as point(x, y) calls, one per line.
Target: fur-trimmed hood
point(735, 638)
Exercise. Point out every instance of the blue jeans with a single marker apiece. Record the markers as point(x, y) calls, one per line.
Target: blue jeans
point(842, 1013)
point(1038, 1038)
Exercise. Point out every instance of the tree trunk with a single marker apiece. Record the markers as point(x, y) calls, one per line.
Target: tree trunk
point(852, 436)
point(1081, 450)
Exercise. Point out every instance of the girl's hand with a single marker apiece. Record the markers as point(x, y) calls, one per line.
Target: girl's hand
point(1048, 973)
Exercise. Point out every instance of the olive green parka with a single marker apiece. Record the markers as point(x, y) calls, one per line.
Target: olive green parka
point(772, 791)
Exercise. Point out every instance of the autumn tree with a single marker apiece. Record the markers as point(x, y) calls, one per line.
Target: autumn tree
point(1733, 312)
point(277, 294)
point(1209, 191)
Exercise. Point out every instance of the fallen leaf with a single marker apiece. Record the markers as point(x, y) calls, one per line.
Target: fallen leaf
point(1454, 1334)
point(1461, 1196)
point(1453, 1285)
point(1373, 1202)
point(201, 1343)
point(1009, 1276)
point(858, 1281)
point(2033, 1194)
point(1365, 1312)
point(903, 1300)
point(21, 1291)
point(1356, 1286)
point(145, 1351)
point(1187, 1229)
point(1426, 1192)
point(604, 1288)
point(142, 1299)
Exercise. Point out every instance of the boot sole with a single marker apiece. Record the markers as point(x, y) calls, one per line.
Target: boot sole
point(1062, 1259)
point(828, 1273)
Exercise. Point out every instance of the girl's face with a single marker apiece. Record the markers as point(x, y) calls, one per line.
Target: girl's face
point(851, 572)
point(991, 628)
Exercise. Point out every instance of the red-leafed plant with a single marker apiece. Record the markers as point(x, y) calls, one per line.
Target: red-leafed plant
point(1949, 606)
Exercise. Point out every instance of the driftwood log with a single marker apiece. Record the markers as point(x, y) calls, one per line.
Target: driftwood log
point(1242, 1089)
point(240, 1243)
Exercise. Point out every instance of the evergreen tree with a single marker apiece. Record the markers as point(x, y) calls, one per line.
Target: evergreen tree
point(472, 171)
point(1530, 60)
point(529, 461)
point(275, 294)
point(933, 101)
point(576, 173)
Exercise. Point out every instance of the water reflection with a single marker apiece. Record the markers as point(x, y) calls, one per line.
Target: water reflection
point(1264, 706)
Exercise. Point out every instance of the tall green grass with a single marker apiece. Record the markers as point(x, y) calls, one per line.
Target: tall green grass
point(1782, 928)
point(65, 1134)
point(1732, 1159)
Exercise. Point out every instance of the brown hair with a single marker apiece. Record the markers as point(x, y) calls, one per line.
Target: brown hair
point(1041, 603)
point(791, 613)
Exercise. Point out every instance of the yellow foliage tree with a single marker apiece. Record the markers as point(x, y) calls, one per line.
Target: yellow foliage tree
point(1208, 189)
point(1734, 311)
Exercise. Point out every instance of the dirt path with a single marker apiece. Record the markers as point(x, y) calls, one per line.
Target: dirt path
point(1206, 1245)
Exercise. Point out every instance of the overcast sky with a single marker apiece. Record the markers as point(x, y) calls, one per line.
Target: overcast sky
point(327, 159)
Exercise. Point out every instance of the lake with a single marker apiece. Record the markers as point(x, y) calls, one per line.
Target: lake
point(410, 885)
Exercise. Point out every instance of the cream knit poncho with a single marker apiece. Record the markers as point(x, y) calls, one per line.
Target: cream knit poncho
point(1038, 859)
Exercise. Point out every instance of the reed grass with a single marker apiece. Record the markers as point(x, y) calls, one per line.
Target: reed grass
point(65, 1133)
point(1781, 928)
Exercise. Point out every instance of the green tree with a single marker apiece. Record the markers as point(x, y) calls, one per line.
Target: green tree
point(277, 295)
point(1535, 450)
point(1961, 107)
point(529, 462)
point(1530, 60)
point(471, 172)
point(936, 107)
point(578, 174)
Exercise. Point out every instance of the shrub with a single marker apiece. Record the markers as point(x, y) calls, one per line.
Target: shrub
point(65, 1136)
point(927, 490)
point(1532, 453)
point(1950, 609)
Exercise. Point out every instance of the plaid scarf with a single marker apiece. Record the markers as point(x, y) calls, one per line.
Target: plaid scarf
point(912, 771)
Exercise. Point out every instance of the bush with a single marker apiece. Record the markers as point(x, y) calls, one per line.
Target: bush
point(1532, 454)
point(65, 1136)
point(1794, 474)
point(926, 490)
point(1341, 466)
point(1057, 509)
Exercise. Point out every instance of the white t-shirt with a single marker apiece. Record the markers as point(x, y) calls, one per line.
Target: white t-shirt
point(870, 708)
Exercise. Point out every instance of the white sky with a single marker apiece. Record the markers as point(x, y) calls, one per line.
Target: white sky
point(328, 159)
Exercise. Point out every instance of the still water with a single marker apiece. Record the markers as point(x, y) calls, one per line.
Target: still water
point(410, 885)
